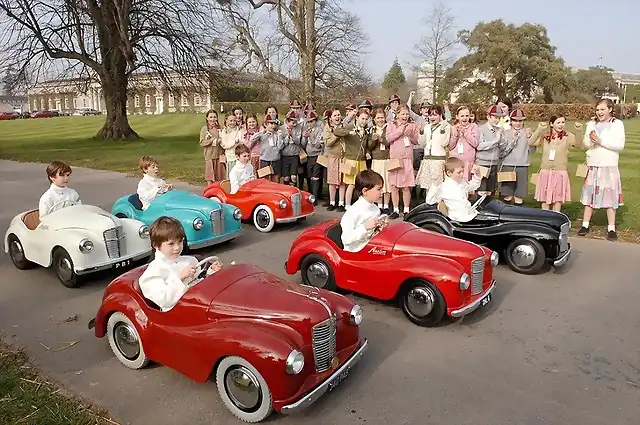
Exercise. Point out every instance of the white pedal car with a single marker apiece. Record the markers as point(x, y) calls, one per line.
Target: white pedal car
point(76, 240)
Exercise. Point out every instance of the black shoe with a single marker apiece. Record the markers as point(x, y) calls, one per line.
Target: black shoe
point(326, 204)
point(583, 231)
point(331, 207)
point(385, 211)
point(612, 236)
point(394, 215)
point(341, 208)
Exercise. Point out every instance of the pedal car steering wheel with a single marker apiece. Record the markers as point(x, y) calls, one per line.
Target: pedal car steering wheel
point(202, 267)
point(64, 203)
point(383, 221)
point(478, 202)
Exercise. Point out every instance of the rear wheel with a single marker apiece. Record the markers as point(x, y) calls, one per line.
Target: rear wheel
point(422, 303)
point(317, 272)
point(63, 266)
point(125, 341)
point(525, 255)
point(16, 252)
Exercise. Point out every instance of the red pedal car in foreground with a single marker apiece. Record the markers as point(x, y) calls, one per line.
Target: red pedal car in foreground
point(431, 275)
point(266, 202)
point(271, 344)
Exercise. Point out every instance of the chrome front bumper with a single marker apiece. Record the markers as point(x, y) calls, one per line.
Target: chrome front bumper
point(474, 305)
point(319, 391)
point(292, 219)
point(111, 264)
point(215, 241)
point(562, 260)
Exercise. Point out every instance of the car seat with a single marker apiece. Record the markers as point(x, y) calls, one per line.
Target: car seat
point(225, 185)
point(335, 234)
point(31, 219)
point(442, 207)
point(135, 202)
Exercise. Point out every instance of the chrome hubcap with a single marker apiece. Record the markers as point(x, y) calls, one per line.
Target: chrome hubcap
point(420, 301)
point(263, 219)
point(523, 255)
point(65, 270)
point(243, 388)
point(16, 251)
point(318, 275)
point(126, 339)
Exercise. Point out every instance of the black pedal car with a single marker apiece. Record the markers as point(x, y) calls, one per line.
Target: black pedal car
point(528, 238)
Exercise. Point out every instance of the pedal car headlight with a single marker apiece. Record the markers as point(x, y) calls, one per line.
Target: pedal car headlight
point(282, 204)
point(85, 246)
point(144, 231)
point(198, 223)
point(465, 281)
point(355, 316)
point(237, 214)
point(312, 199)
point(295, 362)
point(495, 257)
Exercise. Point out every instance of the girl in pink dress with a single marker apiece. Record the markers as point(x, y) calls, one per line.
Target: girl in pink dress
point(253, 128)
point(464, 139)
point(401, 136)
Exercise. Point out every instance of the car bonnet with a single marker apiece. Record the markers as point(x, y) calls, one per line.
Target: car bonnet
point(182, 199)
point(420, 241)
point(533, 215)
point(87, 217)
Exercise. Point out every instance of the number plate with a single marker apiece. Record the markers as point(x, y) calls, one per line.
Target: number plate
point(121, 264)
point(338, 379)
point(486, 300)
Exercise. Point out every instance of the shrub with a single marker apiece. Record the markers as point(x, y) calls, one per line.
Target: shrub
point(542, 111)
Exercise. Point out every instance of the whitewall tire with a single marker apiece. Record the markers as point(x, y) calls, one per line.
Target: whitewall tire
point(125, 342)
point(263, 218)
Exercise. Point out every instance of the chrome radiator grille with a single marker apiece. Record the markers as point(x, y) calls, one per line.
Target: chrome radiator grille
point(477, 275)
point(323, 336)
point(296, 204)
point(564, 237)
point(114, 242)
point(217, 222)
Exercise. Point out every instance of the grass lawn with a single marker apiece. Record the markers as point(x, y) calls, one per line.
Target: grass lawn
point(29, 399)
point(173, 140)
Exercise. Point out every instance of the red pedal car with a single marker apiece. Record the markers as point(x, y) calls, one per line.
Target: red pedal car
point(271, 344)
point(431, 275)
point(266, 202)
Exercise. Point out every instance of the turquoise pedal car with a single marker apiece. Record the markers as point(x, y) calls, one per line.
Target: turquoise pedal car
point(205, 221)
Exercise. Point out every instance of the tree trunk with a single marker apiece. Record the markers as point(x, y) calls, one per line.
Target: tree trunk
point(308, 53)
point(116, 125)
point(434, 89)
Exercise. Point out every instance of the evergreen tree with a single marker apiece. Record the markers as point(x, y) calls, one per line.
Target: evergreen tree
point(394, 78)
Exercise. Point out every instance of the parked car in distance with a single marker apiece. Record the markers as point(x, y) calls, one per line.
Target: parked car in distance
point(205, 221)
point(267, 343)
point(429, 275)
point(43, 114)
point(86, 111)
point(264, 202)
point(528, 238)
point(76, 240)
point(9, 115)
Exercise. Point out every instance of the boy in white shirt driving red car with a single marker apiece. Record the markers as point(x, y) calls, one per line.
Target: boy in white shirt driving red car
point(242, 172)
point(151, 185)
point(168, 276)
point(59, 194)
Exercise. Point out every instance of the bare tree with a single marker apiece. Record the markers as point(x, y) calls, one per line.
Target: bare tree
point(108, 41)
point(437, 46)
point(313, 40)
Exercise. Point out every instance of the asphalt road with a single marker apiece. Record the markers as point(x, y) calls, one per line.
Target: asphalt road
point(560, 348)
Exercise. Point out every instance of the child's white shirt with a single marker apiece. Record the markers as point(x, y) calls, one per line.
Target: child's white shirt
point(161, 282)
point(56, 194)
point(149, 188)
point(456, 197)
point(240, 174)
point(354, 235)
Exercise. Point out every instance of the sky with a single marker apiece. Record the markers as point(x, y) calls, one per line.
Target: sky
point(581, 31)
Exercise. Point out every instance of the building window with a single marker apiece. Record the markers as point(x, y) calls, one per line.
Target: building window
point(35, 105)
point(147, 100)
point(75, 103)
point(183, 100)
point(42, 104)
point(66, 103)
point(136, 101)
point(50, 103)
point(196, 100)
point(84, 102)
point(172, 100)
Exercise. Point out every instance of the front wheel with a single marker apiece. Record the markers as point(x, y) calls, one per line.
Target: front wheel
point(317, 272)
point(63, 266)
point(125, 341)
point(16, 252)
point(243, 390)
point(263, 218)
point(422, 303)
point(525, 256)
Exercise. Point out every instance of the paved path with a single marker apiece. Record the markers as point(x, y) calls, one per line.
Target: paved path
point(552, 349)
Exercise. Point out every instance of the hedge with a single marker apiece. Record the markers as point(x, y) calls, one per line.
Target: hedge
point(533, 111)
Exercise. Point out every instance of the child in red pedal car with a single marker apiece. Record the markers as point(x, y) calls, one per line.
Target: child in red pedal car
point(361, 220)
point(168, 276)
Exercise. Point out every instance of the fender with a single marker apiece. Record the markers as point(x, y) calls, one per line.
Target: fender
point(311, 246)
point(121, 302)
point(122, 206)
point(431, 217)
point(514, 230)
point(214, 190)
